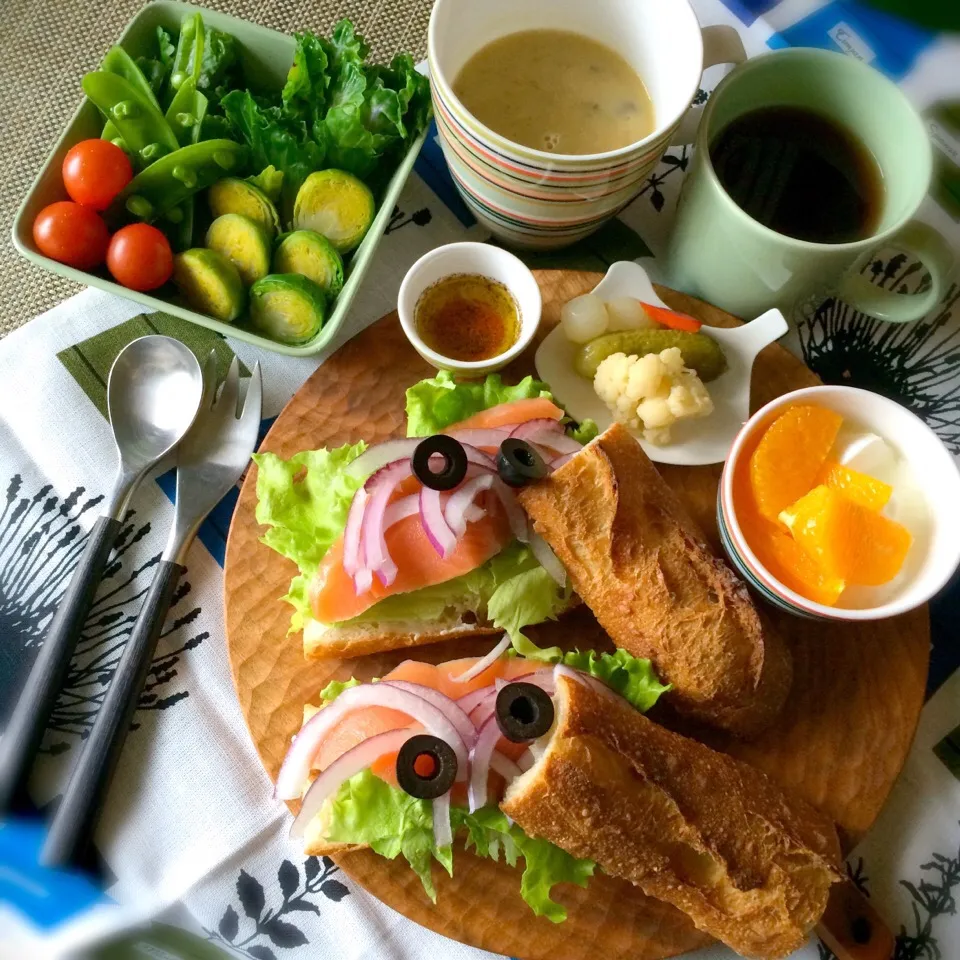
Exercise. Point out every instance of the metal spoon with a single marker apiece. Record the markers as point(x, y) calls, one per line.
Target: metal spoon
point(153, 395)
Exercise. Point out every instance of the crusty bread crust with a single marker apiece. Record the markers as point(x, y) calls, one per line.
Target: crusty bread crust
point(709, 834)
point(356, 640)
point(643, 567)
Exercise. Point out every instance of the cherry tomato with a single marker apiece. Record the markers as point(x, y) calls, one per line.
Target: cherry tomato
point(72, 234)
point(140, 257)
point(671, 319)
point(95, 171)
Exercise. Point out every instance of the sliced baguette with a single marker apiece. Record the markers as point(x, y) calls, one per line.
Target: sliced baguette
point(345, 640)
point(704, 832)
point(644, 569)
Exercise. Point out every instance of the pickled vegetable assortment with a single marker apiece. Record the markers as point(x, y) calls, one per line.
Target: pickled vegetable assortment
point(181, 129)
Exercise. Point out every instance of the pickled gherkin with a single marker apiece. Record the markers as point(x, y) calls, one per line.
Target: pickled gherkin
point(700, 352)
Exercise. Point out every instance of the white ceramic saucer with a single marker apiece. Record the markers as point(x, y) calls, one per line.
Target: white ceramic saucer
point(693, 442)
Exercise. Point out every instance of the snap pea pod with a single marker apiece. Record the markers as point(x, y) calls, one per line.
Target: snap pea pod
point(185, 116)
point(186, 112)
point(119, 62)
point(188, 60)
point(175, 177)
point(140, 124)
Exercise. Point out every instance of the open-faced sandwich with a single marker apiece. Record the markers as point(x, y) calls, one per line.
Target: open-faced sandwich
point(558, 766)
point(413, 541)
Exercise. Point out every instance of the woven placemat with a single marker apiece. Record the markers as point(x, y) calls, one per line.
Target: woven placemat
point(49, 44)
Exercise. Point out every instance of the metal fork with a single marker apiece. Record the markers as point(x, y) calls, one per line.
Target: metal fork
point(210, 460)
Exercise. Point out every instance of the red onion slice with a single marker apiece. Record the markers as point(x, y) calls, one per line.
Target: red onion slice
point(478, 458)
point(442, 829)
point(482, 664)
point(351, 533)
point(560, 461)
point(483, 437)
point(380, 454)
point(434, 523)
point(504, 766)
point(548, 559)
point(526, 760)
point(560, 670)
point(400, 510)
point(299, 759)
point(547, 433)
point(455, 512)
point(343, 768)
point(450, 708)
point(470, 701)
point(380, 488)
point(515, 515)
point(480, 756)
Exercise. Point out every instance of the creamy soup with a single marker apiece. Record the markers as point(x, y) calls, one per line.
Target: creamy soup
point(556, 90)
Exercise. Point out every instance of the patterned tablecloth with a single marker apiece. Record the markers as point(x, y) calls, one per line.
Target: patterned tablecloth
point(197, 849)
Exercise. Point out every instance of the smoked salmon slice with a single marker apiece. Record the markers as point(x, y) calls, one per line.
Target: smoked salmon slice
point(514, 412)
point(358, 725)
point(333, 596)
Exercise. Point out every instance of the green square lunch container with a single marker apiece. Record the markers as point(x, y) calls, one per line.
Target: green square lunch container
point(267, 55)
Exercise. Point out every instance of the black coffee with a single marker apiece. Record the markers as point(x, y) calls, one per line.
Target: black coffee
point(800, 174)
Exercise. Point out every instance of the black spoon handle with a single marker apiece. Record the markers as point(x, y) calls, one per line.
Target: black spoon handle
point(71, 832)
point(21, 740)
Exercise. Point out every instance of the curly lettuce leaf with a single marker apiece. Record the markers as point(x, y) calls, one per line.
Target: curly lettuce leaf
point(433, 404)
point(367, 810)
point(305, 500)
point(275, 140)
point(632, 677)
point(335, 687)
point(270, 181)
point(527, 597)
point(220, 69)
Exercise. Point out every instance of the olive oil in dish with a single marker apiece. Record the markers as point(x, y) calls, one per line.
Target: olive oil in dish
point(557, 91)
point(467, 317)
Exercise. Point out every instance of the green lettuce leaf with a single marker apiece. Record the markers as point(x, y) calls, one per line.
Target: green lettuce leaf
point(368, 810)
point(528, 597)
point(432, 405)
point(220, 69)
point(335, 687)
point(270, 181)
point(584, 431)
point(274, 139)
point(304, 501)
point(632, 677)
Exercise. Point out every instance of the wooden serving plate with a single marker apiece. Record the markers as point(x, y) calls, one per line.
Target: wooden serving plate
point(840, 741)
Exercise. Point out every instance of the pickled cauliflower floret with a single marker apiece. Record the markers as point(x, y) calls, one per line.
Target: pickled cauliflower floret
point(651, 393)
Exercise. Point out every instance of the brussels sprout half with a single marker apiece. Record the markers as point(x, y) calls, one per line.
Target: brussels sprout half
point(233, 195)
point(288, 307)
point(336, 205)
point(243, 242)
point(209, 283)
point(308, 253)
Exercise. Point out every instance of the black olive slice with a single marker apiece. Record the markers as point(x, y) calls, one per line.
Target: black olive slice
point(426, 767)
point(518, 463)
point(524, 711)
point(454, 462)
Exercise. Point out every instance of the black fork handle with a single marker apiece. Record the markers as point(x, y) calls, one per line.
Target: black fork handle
point(71, 832)
point(24, 732)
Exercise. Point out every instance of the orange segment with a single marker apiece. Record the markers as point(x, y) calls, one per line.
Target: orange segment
point(790, 455)
point(868, 491)
point(785, 559)
point(847, 540)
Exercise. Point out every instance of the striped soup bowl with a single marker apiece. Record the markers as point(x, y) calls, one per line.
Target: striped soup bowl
point(935, 552)
point(538, 199)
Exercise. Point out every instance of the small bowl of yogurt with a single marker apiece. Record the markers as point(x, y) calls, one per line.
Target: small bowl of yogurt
point(870, 524)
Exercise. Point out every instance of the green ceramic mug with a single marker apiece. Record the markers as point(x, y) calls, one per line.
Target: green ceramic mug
point(720, 253)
